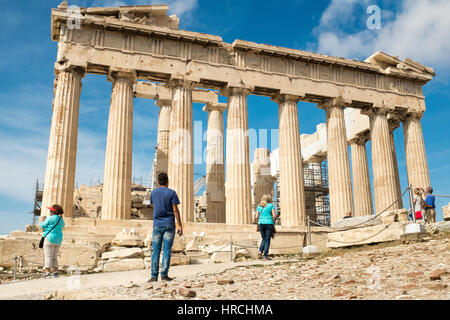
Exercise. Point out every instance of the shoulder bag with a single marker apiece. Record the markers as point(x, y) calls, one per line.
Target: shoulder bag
point(41, 243)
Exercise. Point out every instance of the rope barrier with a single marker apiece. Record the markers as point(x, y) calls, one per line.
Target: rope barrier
point(6, 261)
point(375, 234)
point(364, 222)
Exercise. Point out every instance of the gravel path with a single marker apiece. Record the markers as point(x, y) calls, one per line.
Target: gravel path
point(405, 271)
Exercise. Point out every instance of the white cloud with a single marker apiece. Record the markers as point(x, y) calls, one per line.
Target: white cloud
point(419, 30)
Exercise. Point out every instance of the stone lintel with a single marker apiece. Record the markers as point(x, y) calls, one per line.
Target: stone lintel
point(150, 90)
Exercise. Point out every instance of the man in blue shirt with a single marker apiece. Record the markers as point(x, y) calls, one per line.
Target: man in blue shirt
point(165, 212)
point(430, 206)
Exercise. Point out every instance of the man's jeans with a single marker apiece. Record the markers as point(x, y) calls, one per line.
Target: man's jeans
point(162, 236)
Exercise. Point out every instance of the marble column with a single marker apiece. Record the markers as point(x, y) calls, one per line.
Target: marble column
point(238, 181)
point(362, 192)
point(416, 157)
point(292, 191)
point(215, 164)
point(392, 126)
point(384, 179)
point(340, 183)
point(181, 152)
point(262, 178)
point(116, 202)
point(62, 149)
point(162, 150)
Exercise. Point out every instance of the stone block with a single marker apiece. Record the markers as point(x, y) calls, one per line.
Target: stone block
point(394, 216)
point(220, 256)
point(177, 260)
point(362, 221)
point(443, 226)
point(415, 228)
point(310, 251)
point(446, 212)
point(82, 255)
point(124, 265)
point(372, 234)
point(127, 239)
point(124, 253)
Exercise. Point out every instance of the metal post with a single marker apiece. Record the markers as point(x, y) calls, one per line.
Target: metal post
point(231, 248)
point(413, 214)
point(15, 268)
point(309, 232)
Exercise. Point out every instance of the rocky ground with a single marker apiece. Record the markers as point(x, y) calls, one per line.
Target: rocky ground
point(418, 270)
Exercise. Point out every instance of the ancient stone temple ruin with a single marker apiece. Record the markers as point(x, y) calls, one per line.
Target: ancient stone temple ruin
point(144, 54)
point(141, 50)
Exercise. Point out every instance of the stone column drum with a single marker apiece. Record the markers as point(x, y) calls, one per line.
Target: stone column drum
point(116, 202)
point(384, 178)
point(238, 183)
point(292, 191)
point(61, 159)
point(416, 158)
point(162, 152)
point(181, 152)
point(361, 180)
point(215, 164)
point(340, 184)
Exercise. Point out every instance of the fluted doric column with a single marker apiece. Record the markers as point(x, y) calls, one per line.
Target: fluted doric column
point(340, 184)
point(162, 150)
point(416, 157)
point(238, 184)
point(262, 178)
point(181, 152)
point(62, 149)
point(215, 164)
point(362, 192)
point(292, 191)
point(392, 126)
point(384, 179)
point(116, 202)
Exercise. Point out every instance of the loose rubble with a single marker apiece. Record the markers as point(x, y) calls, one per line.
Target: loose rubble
point(402, 271)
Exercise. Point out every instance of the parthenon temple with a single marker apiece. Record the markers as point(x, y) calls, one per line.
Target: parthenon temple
point(141, 50)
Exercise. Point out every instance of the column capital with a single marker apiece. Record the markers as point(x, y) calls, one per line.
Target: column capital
point(285, 97)
point(174, 82)
point(360, 138)
point(375, 110)
point(163, 102)
point(235, 90)
point(316, 159)
point(215, 106)
point(335, 102)
point(413, 115)
point(393, 122)
point(81, 70)
point(121, 73)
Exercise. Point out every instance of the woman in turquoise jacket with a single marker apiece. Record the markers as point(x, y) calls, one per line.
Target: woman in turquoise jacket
point(266, 220)
point(52, 226)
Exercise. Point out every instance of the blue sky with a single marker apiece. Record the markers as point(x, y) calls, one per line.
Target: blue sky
point(417, 29)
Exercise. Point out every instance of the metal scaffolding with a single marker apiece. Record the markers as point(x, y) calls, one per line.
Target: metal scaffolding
point(317, 201)
point(37, 201)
